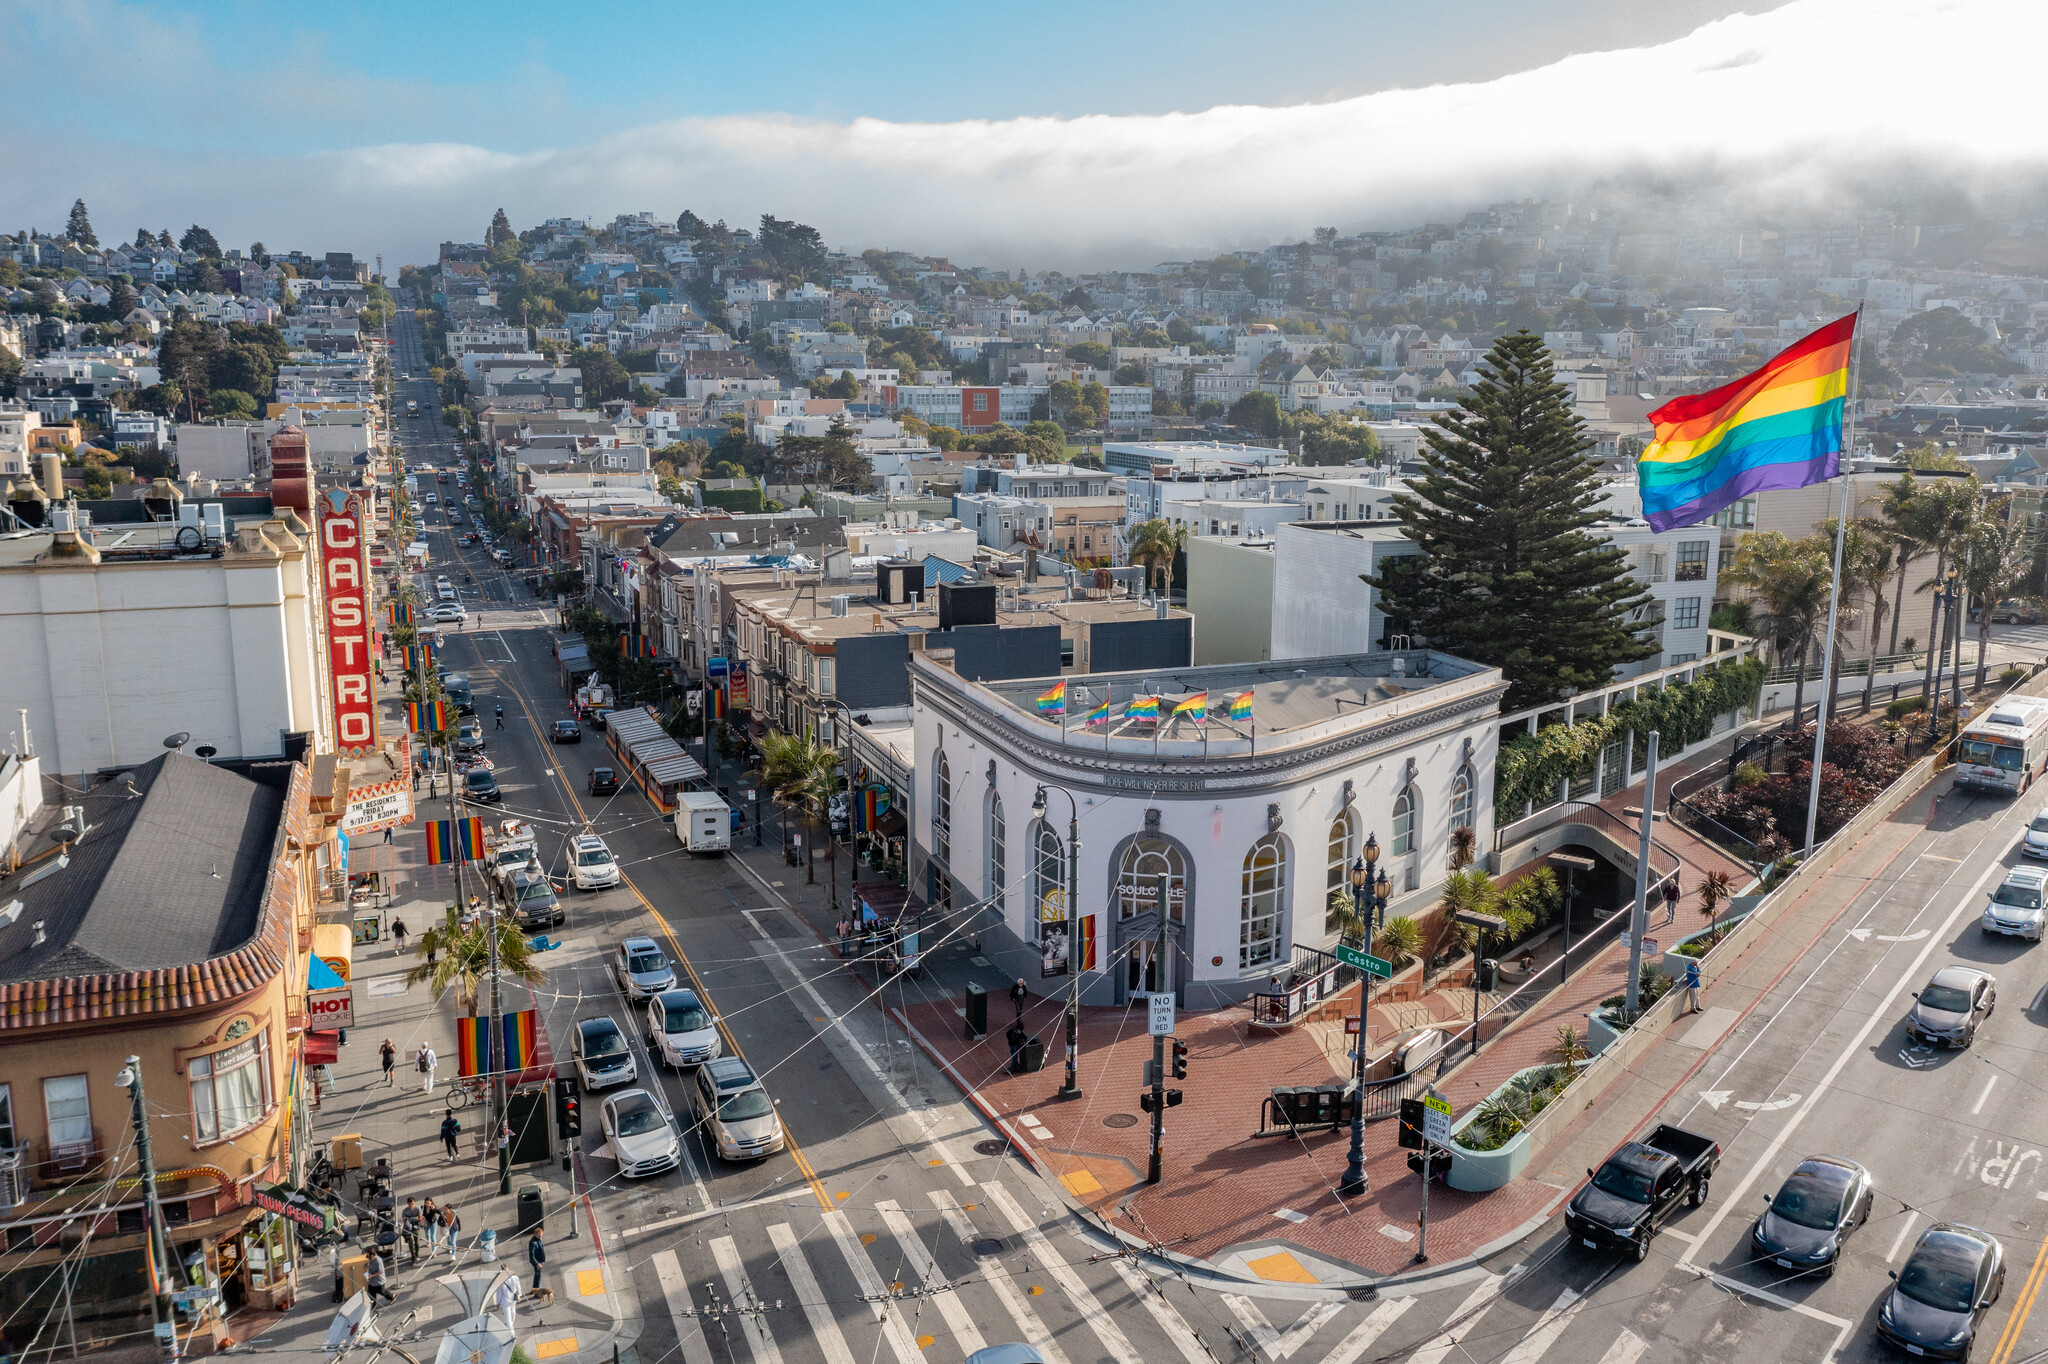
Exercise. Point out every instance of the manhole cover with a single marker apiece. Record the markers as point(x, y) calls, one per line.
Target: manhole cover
point(1121, 1120)
point(985, 1248)
point(991, 1147)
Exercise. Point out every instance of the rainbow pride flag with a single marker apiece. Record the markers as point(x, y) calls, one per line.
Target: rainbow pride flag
point(429, 717)
point(1241, 706)
point(1103, 714)
point(1196, 708)
point(454, 840)
point(401, 612)
point(1780, 427)
point(1143, 708)
point(1054, 702)
point(473, 1040)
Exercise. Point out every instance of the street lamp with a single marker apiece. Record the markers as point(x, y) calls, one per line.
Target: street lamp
point(1368, 899)
point(1071, 1088)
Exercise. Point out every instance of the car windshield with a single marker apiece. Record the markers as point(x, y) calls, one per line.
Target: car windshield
point(2040, 825)
point(604, 1042)
point(635, 1116)
point(1942, 1273)
point(601, 774)
point(1623, 1182)
point(1985, 753)
point(1946, 998)
point(646, 963)
point(684, 1018)
point(1810, 1199)
point(752, 1103)
point(536, 890)
point(2025, 897)
point(593, 857)
point(512, 857)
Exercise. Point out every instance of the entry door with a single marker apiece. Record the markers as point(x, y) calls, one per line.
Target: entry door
point(1145, 973)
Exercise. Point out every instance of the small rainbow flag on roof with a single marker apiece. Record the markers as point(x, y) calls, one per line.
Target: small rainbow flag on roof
point(1142, 708)
point(1103, 714)
point(1241, 706)
point(1196, 708)
point(1054, 702)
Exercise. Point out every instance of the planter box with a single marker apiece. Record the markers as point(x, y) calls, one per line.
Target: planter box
point(1599, 1037)
point(1478, 1171)
point(1675, 961)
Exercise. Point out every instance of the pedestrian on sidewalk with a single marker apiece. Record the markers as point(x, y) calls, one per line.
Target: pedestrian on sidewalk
point(426, 1061)
point(1016, 1037)
point(398, 932)
point(845, 931)
point(387, 834)
point(1692, 984)
point(1018, 994)
point(409, 1228)
point(451, 1128)
point(507, 1299)
point(389, 1055)
point(536, 1255)
point(373, 1279)
point(1671, 899)
point(451, 1228)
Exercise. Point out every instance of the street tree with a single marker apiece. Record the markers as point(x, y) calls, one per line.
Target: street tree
point(1257, 412)
point(1998, 555)
point(1510, 573)
point(1788, 582)
point(461, 957)
point(197, 239)
point(79, 228)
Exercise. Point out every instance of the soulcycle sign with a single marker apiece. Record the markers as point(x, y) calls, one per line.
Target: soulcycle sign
point(343, 574)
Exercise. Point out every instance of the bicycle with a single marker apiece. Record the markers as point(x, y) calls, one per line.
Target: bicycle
point(466, 1091)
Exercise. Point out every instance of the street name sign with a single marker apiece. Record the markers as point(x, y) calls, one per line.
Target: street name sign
point(1365, 961)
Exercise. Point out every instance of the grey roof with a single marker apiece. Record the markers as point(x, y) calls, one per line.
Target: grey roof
point(757, 534)
point(171, 871)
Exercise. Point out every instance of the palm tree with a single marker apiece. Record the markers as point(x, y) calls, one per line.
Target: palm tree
point(1901, 526)
point(1154, 544)
point(1789, 581)
point(1866, 568)
point(800, 771)
point(1942, 517)
point(462, 956)
point(1716, 889)
point(1999, 555)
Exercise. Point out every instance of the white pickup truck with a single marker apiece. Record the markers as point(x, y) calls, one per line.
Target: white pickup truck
point(511, 848)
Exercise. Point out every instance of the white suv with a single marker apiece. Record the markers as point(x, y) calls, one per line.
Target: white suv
point(592, 863)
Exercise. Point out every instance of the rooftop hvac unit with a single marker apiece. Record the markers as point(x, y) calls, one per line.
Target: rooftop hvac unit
point(839, 603)
point(214, 517)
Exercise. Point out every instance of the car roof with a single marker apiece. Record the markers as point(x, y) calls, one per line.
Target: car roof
point(2027, 876)
point(1826, 1170)
point(641, 943)
point(730, 1072)
point(592, 1026)
point(472, 776)
point(1958, 975)
point(618, 1100)
point(595, 770)
point(589, 841)
point(678, 998)
point(1959, 1245)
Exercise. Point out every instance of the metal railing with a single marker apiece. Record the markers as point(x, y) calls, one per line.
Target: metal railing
point(1850, 667)
point(1312, 978)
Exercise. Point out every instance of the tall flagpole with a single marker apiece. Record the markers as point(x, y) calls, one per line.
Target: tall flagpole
point(1827, 667)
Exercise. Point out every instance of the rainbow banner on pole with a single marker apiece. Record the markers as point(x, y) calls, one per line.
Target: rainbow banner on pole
point(1196, 708)
point(401, 612)
point(1143, 708)
point(454, 840)
point(1103, 714)
point(1241, 706)
point(1054, 702)
point(418, 657)
point(429, 717)
point(472, 1044)
point(1780, 427)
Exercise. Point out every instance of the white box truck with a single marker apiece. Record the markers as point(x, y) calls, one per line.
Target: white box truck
point(703, 821)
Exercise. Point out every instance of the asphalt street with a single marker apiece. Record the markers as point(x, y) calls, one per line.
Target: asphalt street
point(886, 1232)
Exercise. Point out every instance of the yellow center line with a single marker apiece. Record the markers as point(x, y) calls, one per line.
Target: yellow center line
point(2009, 1338)
point(796, 1152)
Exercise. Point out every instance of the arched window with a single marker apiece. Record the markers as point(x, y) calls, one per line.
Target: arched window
point(942, 808)
point(1406, 808)
point(998, 858)
point(1145, 860)
point(1261, 903)
point(1048, 874)
point(1461, 799)
point(1343, 847)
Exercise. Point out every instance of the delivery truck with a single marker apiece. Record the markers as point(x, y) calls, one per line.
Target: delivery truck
point(703, 821)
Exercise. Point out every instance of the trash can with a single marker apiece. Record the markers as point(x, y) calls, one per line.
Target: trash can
point(530, 1209)
point(1032, 1057)
point(1487, 975)
point(977, 1012)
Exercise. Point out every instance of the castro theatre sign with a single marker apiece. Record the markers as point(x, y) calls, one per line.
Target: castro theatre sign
point(345, 587)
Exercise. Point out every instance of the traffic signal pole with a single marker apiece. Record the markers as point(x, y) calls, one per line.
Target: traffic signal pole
point(1152, 1166)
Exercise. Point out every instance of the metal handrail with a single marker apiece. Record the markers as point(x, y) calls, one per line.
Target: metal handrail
point(1324, 976)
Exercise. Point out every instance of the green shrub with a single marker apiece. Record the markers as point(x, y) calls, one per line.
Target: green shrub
point(1398, 941)
point(1905, 705)
point(2012, 677)
point(1749, 774)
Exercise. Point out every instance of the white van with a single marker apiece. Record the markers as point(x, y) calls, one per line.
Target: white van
point(703, 821)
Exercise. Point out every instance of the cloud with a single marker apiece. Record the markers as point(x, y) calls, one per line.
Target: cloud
point(1797, 102)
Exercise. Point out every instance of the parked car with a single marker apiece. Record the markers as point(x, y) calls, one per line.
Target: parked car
point(642, 967)
point(1819, 1204)
point(641, 1133)
point(598, 718)
point(1640, 1188)
point(1939, 1296)
point(603, 781)
point(601, 1055)
point(446, 611)
point(481, 784)
point(680, 1030)
point(469, 737)
point(508, 860)
point(534, 901)
point(736, 1112)
point(591, 863)
point(1947, 1010)
point(2034, 843)
point(2015, 906)
point(566, 732)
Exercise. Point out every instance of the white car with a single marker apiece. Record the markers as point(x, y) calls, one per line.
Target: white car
point(602, 1056)
point(680, 1030)
point(642, 1135)
point(2016, 906)
point(448, 610)
point(592, 863)
point(2034, 843)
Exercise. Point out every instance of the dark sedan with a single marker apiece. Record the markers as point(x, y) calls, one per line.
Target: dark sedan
point(1939, 1296)
point(481, 785)
point(603, 781)
point(1812, 1213)
point(566, 732)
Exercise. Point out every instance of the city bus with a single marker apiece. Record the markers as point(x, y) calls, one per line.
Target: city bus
point(2006, 747)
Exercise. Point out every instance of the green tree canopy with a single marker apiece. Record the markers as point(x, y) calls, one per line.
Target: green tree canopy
point(79, 227)
point(1509, 572)
point(1257, 412)
point(1942, 343)
point(604, 378)
point(198, 239)
point(1091, 353)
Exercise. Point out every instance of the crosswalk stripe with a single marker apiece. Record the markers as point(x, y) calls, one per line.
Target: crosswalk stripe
point(752, 1325)
point(1177, 1330)
point(949, 1304)
point(675, 1288)
point(893, 1329)
point(997, 1277)
point(1353, 1346)
point(1549, 1327)
point(1099, 1321)
point(824, 1328)
point(1627, 1348)
point(1278, 1344)
point(1439, 1347)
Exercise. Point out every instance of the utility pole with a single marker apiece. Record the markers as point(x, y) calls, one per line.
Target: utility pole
point(1638, 920)
point(159, 1241)
point(1152, 1166)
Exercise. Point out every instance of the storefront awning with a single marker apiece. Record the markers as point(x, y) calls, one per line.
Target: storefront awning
point(322, 1048)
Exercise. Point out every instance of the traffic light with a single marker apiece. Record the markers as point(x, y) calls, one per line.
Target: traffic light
point(1180, 1059)
point(1173, 1098)
point(1410, 1136)
point(568, 1108)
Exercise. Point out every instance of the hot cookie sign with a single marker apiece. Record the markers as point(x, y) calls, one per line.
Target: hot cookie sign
point(349, 647)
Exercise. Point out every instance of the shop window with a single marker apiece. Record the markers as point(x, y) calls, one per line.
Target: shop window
point(67, 1113)
point(998, 870)
point(1048, 875)
point(1261, 902)
point(942, 809)
point(230, 1088)
point(1145, 860)
point(1461, 800)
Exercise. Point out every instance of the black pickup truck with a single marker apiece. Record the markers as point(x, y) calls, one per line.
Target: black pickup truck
point(1640, 1188)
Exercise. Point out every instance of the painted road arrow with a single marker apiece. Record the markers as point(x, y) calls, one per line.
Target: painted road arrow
point(1860, 934)
point(1771, 1107)
point(1904, 937)
point(1716, 1097)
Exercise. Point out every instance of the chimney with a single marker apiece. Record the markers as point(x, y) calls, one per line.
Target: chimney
point(53, 477)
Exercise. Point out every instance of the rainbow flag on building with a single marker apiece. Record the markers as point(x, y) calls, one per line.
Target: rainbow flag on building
point(1780, 427)
point(401, 612)
point(429, 717)
point(1196, 708)
point(454, 840)
point(1143, 708)
point(1053, 702)
point(1103, 714)
point(1241, 706)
